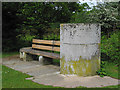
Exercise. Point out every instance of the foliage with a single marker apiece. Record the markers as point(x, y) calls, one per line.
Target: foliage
point(35, 17)
point(51, 36)
point(9, 25)
point(107, 15)
point(110, 47)
point(111, 69)
point(102, 71)
point(108, 69)
point(23, 21)
point(81, 15)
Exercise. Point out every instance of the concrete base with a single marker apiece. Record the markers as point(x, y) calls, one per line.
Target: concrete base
point(81, 67)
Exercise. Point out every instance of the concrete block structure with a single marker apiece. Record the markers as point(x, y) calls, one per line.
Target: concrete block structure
point(80, 49)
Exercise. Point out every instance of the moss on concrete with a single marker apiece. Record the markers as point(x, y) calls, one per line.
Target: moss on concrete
point(82, 67)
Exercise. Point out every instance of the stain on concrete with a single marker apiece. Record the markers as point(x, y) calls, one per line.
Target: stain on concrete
point(81, 67)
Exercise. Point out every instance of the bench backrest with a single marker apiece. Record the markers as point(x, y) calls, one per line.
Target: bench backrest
point(46, 45)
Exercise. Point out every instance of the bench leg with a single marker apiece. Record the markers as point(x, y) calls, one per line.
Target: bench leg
point(45, 60)
point(21, 55)
point(41, 59)
point(25, 57)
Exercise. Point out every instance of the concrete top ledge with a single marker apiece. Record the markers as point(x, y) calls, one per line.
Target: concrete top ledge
point(78, 23)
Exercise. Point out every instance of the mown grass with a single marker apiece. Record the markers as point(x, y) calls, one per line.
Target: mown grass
point(111, 69)
point(6, 54)
point(0, 76)
point(113, 86)
point(15, 79)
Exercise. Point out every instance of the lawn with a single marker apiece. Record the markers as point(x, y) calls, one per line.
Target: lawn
point(15, 79)
point(6, 54)
point(111, 70)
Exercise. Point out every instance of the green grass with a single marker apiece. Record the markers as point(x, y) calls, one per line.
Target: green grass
point(56, 62)
point(6, 54)
point(111, 69)
point(113, 86)
point(16, 79)
point(0, 76)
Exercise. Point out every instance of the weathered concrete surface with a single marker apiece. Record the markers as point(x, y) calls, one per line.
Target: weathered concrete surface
point(80, 49)
point(59, 80)
point(50, 75)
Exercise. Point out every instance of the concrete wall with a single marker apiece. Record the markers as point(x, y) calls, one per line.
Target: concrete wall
point(80, 48)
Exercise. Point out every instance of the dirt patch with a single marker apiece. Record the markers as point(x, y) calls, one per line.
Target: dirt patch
point(11, 57)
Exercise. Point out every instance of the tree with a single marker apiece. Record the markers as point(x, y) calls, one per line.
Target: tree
point(23, 21)
point(107, 15)
point(37, 17)
point(81, 15)
point(9, 25)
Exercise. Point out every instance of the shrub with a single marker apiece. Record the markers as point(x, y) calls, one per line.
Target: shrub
point(101, 71)
point(51, 36)
point(110, 47)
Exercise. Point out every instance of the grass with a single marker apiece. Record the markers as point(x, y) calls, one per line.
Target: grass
point(56, 62)
point(6, 54)
point(15, 79)
point(0, 76)
point(113, 86)
point(111, 69)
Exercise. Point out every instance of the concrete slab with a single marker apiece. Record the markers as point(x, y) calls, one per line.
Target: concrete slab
point(50, 75)
point(18, 65)
point(10, 62)
point(42, 70)
point(60, 80)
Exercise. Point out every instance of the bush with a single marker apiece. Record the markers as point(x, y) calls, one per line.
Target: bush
point(110, 47)
point(101, 71)
point(51, 36)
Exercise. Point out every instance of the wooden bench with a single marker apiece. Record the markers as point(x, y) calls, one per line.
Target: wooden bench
point(41, 48)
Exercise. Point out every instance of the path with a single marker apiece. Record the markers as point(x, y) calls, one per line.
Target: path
point(50, 75)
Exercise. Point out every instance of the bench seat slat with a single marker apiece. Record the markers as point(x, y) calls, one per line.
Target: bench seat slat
point(57, 43)
point(46, 47)
point(41, 53)
point(42, 47)
point(42, 41)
